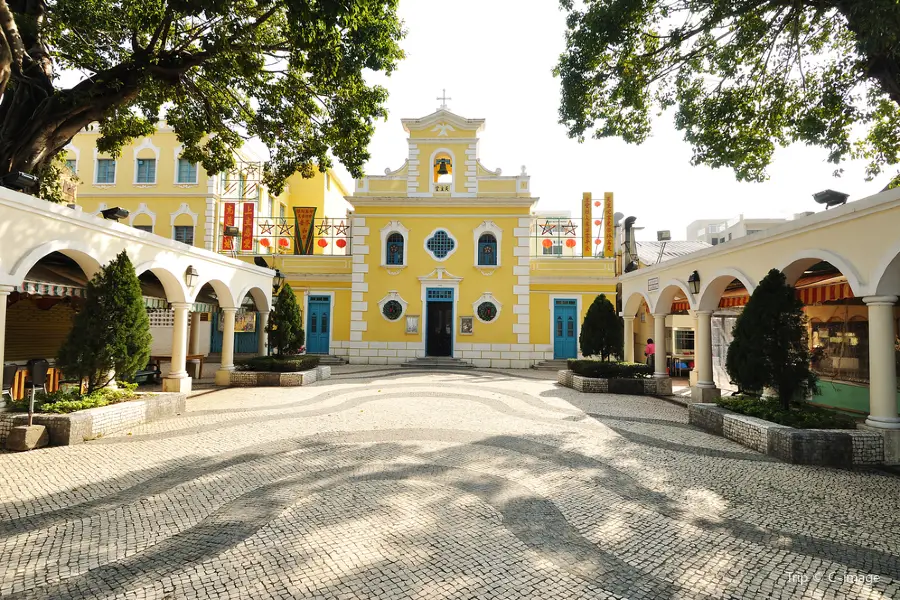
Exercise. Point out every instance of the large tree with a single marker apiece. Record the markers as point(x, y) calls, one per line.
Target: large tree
point(745, 76)
point(289, 72)
point(602, 330)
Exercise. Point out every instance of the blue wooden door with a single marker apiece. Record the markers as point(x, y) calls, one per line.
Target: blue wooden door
point(318, 324)
point(565, 329)
point(439, 322)
point(244, 342)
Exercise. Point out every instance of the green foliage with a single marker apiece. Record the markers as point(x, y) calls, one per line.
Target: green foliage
point(745, 77)
point(278, 364)
point(769, 348)
point(111, 333)
point(285, 327)
point(602, 332)
point(609, 370)
point(799, 415)
point(66, 401)
point(291, 73)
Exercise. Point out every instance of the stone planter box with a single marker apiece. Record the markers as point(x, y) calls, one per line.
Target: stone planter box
point(824, 447)
point(595, 385)
point(83, 425)
point(269, 379)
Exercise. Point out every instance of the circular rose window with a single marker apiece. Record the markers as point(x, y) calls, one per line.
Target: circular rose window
point(392, 310)
point(487, 311)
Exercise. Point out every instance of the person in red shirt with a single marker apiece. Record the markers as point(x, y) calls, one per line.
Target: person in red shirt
point(650, 352)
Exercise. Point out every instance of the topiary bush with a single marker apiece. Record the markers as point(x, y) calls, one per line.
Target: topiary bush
point(285, 326)
point(110, 336)
point(602, 332)
point(609, 370)
point(278, 364)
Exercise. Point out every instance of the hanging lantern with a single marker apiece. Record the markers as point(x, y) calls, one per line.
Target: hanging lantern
point(570, 243)
point(598, 241)
point(322, 243)
point(597, 204)
point(597, 222)
point(265, 243)
point(341, 243)
point(284, 242)
point(547, 243)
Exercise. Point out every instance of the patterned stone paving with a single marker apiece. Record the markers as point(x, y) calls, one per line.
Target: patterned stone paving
point(386, 484)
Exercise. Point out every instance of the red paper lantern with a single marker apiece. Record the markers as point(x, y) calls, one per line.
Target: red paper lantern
point(597, 204)
point(547, 243)
point(284, 243)
point(597, 222)
point(265, 243)
point(341, 243)
point(598, 241)
point(322, 243)
point(570, 243)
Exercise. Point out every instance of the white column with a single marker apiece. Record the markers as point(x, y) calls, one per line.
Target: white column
point(659, 339)
point(262, 338)
point(703, 349)
point(178, 379)
point(882, 368)
point(629, 339)
point(4, 295)
point(194, 345)
point(223, 375)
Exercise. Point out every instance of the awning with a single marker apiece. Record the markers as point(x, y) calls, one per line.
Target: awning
point(810, 290)
point(154, 303)
point(43, 288)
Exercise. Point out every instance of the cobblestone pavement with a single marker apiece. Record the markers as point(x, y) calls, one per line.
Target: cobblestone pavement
point(387, 484)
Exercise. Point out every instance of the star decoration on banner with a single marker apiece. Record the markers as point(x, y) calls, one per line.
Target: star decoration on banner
point(569, 228)
point(340, 229)
point(547, 228)
point(323, 229)
point(265, 228)
point(285, 229)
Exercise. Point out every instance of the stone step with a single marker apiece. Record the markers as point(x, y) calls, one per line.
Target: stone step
point(437, 362)
point(331, 360)
point(551, 365)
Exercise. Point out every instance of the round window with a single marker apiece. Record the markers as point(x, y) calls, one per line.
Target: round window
point(392, 310)
point(440, 244)
point(487, 311)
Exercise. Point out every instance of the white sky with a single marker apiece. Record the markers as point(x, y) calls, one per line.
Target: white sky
point(495, 59)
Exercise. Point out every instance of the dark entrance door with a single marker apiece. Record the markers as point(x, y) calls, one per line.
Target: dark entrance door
point(439, 323)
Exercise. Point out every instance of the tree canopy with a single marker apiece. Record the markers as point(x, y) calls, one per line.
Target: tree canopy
point(602, 330)
point(285, 326)
point(290, 72)
point(744, 76)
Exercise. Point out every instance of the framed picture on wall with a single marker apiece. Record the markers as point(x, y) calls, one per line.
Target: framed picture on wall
point(466, 325)
point(412, 324)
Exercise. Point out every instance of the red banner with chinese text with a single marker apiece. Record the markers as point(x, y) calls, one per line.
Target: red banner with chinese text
point(247, 227)
point(609, 226)
point(228, 241)
point(304, 221)
point(586, 211)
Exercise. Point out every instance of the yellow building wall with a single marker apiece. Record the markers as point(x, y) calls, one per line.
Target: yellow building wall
point(459, 264)
point(541, 309)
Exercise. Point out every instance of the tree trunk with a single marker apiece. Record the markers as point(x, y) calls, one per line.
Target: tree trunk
point(875, 23)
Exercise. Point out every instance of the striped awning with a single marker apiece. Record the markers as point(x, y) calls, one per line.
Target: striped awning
point(821, 290)
point(57, 290)
point(153, 303)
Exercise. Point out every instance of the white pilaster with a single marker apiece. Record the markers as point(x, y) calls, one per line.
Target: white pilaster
point(882, 366)
point(178, 379)
point(629, 339)
point(360, 272)
point(659, 338)
point(194, 344)
point(223, 375)
point(705, 390)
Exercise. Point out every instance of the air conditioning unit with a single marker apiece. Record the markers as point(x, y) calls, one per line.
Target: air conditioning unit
point(663, 236)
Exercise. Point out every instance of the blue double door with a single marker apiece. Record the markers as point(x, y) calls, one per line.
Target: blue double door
point(318, 324)
point(565, 328)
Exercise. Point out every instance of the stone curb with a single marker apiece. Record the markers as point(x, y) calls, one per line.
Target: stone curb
point(80, 426)
point(269, 379)
point(842, 448)
point(595, 385)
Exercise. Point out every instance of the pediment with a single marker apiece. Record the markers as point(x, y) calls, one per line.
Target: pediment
point(440, 274)
point(443, 116)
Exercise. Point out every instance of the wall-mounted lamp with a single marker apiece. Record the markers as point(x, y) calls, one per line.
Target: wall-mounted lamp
point(694, 282)
point(278, 280)
point(190, 276)
point(115, 213)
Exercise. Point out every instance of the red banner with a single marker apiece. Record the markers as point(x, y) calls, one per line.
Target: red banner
point(304, 220)
point(586, 211)
point(609, 226)
point(247, 227)
point(227, 241)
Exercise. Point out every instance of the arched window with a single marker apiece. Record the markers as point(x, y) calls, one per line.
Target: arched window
point(394, 250)
point(487, 250)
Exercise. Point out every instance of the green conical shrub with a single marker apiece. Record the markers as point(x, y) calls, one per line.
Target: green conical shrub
point(285, 327)
point(111, 333)
point(602, 332)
